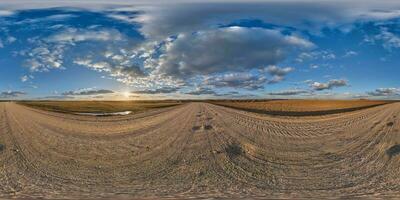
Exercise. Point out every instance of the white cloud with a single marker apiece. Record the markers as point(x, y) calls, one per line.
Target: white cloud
point(315, 55)
point(329, 85)
point(45, 57)
point(350, 54)
point(125, 74)
point(24, 78)
point(4, 13)
point(49, 52)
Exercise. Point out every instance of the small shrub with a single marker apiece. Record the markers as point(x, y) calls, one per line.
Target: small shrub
point(234, 150)
point(394, 150)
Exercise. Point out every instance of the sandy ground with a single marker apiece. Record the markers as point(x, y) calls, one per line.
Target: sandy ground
point(199, 150)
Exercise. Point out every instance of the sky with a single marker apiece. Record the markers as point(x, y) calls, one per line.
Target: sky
point(94, 49)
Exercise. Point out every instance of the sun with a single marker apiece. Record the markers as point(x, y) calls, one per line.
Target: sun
point(126, 94)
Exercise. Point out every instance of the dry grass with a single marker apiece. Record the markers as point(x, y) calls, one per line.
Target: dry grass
point(98, 106)
point(300, 107)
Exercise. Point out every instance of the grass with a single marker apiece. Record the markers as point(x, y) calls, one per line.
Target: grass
point(98, 106)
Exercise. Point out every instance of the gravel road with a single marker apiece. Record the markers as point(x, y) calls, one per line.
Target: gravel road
point(199, 150)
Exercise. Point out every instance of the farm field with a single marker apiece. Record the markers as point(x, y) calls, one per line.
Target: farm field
point(98, 106)
point(300, 107)
point(199, 150)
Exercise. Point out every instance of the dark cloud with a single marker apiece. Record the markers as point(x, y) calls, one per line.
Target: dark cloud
point(88, 91)
point(277, 71)
point(385, 92)
point(164, 90)
point(329, 85)
point(231, 49)
point(289, 92)
point(166, 20)
point(202, 91)
point(12, 94)
point(56, 98)
point(237, 80)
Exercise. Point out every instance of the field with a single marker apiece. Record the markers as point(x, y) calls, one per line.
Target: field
point(200, 150)
point(98, 106)
point(299, 107)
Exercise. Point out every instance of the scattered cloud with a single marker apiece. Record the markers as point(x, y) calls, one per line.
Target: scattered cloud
point(350, 54)
point(314, 66)
point(315, 55)
point(44, 58)
point(126, 74)
point(25, 78)
point(389, 40)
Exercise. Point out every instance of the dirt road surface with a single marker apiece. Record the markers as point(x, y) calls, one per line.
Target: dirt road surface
point(199, 150)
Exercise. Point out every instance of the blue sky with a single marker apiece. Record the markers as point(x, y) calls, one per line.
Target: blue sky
point(214, 49)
